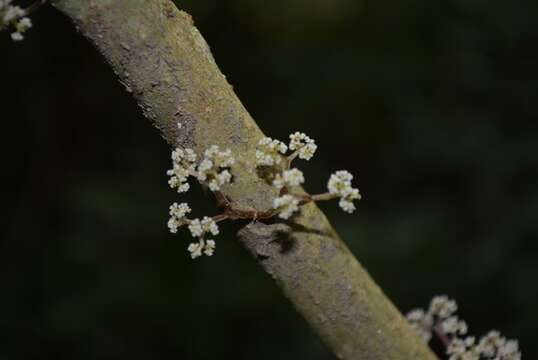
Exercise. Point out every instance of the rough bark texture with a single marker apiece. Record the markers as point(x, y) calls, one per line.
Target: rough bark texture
point(162, 59)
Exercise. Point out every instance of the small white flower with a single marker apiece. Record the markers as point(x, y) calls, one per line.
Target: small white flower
point(305, 146)
point(179, 211)
point(183, 165)
point(214, 168)
point(452, 325)
point(442, 306)
point(195, 227)
point(456, 349)
point(209, 248)
point(495, 346)
point(177, 216)
point(23, 24)
point(12, 13)
point(184, 156)
point(178, 179)
point(489, 343)
point(17, 36)
point(205, 166)
point(347, 205)
point(292, 177)
point(440, 315)
point(196, 249)
point(173, 225)
point(213, 185)
point(224, 177)
point(340, 184)
point(206, 247)
point(510, 351)
point(221, 159)
point(287, 205)
point(421, 322)
point(183, 188)
point(209, 225)
point(206, 225)
point(269, 152)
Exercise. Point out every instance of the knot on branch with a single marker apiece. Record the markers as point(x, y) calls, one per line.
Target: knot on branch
point(264, 241)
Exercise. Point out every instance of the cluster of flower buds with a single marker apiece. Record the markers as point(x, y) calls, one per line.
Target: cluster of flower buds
point(184, 165)
point(273, 153)
point(197, 227)
point(214, 171)
point(270, 152)
point(304, 146)
point(440, 320)
point(340, 186)
point(214, 168)
point(11, 15)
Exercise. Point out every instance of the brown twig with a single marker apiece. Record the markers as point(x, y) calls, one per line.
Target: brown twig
point(34, 6)
point(437, 331)
point(220, 217)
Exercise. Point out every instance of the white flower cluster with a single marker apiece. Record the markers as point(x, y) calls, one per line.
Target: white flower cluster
point(178, 215)
point(287, 205)
point(491, 346)
point(340, 185)
point(305, 146)
point(184, 165)
point(292, 177)
point(270, 152)
point(202, 246)
point(213, 170)
point(440, 316)
point(11, 15)
point(273, 152)
point(198, 229)
point(214, 167)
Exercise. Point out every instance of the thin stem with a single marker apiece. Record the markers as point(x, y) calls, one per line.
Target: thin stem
point(323, 197)
point(290, 158)
point(222, 200)
point(306, 198)
point(34, 6)
point(220, 217)
point(441, 336)
point(194, 173)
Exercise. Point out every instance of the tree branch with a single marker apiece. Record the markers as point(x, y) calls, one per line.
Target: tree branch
point(162, 59)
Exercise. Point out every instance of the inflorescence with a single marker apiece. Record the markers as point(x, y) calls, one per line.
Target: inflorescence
point(17, 18)
point(275, 158)
point(440, 321)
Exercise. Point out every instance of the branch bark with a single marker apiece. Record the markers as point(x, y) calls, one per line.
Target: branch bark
point(162, 59)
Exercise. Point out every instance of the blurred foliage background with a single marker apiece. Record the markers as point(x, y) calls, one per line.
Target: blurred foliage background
point(432, 104)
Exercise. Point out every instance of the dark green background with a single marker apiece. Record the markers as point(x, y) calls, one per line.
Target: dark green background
point(432, 104)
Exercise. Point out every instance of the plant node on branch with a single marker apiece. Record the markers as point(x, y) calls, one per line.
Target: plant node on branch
point(214, 171)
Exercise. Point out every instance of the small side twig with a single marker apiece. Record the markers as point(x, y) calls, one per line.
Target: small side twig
point(34, 6)
point(439, 333)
